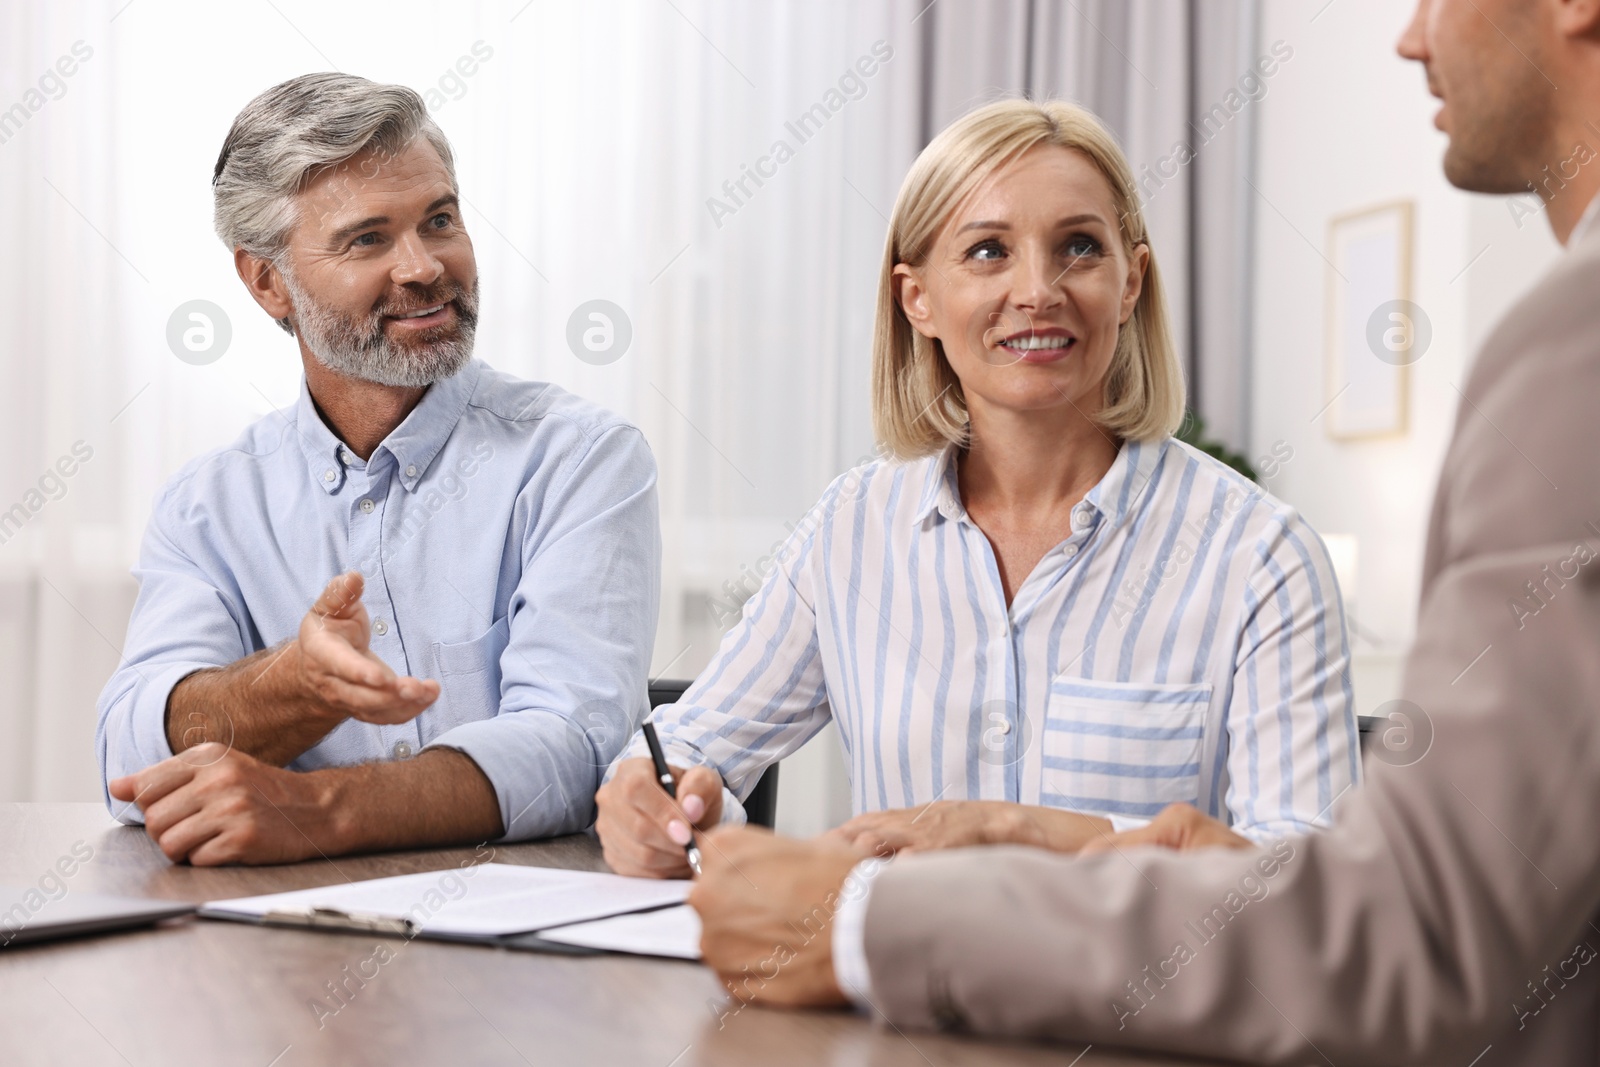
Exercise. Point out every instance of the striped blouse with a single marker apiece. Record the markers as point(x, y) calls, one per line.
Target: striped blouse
point(1185, 643)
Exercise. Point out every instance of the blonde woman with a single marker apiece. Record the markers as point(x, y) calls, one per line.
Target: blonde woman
point(1040, 614)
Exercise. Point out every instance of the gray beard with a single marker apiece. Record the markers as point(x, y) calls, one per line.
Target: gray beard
point(362, 350)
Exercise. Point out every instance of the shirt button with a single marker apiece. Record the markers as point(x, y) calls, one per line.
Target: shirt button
point(328, 476)
point(366, 505)
point(1005, 727)
point(344, 454)
point(402, 750)
point(1070, 551)
point(411, 470)
point(1083, 516)
point(380, 627)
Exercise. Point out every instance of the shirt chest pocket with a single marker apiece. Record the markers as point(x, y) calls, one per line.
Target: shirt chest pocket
point(469, 676)
point(1127, 748)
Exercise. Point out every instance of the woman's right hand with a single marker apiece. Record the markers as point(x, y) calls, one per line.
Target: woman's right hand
point(642, 830)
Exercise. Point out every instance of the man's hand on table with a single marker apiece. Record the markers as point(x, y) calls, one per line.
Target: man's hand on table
point(211, 805)
point(767, 907)
point(767, 903)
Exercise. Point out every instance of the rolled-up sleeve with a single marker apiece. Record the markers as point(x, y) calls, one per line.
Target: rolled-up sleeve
point(183, 621)
point(581, 630)
point(1294, 746)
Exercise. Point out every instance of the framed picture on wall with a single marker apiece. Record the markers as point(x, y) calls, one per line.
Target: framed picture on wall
point(1373, 330)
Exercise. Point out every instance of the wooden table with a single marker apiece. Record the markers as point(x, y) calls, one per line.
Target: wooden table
point(215, 993)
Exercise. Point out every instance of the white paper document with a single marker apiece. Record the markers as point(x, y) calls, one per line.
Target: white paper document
point(673, 932)
point(487, 900)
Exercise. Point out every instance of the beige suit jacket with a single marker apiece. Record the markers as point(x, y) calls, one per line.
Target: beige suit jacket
point(1454, 908)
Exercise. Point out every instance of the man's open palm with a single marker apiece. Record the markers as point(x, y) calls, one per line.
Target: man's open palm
point(339, 669)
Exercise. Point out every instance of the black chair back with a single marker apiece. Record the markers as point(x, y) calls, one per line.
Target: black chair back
point(761, 806)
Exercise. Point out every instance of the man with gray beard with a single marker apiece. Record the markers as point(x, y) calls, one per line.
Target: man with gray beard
point(480, 555)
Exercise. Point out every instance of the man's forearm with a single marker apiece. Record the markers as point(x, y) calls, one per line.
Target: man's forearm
point(439, 798)
point(254, 705)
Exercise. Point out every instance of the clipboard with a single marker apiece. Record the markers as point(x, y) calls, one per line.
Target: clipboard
point(496, 904)
point(333, 919)
point(357, 922)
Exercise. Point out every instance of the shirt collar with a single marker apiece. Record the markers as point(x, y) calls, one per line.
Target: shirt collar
point(414, 443)
point(1113, 498)
point(1585, 222)
point(1117, 495)
point(940, 490)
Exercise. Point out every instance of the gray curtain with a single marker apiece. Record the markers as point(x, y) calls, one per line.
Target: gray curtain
point(1176, 80)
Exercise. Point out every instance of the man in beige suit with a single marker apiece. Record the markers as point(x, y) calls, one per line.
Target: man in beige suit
point(1453, 914)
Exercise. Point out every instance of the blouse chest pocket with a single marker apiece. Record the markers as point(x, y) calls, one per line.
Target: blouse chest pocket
point(1127, 748)
point(469, 676)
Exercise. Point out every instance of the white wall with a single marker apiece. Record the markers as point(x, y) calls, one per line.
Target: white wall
point(1348, 124)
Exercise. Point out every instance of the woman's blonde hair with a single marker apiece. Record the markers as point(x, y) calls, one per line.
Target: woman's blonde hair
point(917, 403)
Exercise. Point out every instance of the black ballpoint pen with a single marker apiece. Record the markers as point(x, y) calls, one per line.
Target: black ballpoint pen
point(664, 776)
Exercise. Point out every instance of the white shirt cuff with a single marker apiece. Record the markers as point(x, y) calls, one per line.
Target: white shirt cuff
point(1121, 824)
point(733, 813)
point(850, 932)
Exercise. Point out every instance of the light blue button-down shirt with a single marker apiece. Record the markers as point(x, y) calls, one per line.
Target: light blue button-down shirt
point(509, 537)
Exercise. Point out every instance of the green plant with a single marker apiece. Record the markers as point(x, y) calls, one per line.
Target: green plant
point(1192, 432)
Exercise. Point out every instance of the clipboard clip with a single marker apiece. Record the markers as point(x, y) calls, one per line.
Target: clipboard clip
point(339, 919)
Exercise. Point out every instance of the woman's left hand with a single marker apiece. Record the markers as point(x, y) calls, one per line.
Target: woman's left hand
point(942, 824)
point(1180, 827)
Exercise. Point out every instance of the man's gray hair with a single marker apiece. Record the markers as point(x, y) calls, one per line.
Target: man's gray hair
point(293, 131)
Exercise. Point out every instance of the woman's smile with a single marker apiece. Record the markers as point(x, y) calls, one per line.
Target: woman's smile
point(1047, 345)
